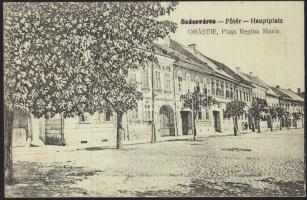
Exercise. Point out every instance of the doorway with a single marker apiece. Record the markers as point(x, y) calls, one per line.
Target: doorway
point(186, 117)
point(167, 121)
point(217, 121)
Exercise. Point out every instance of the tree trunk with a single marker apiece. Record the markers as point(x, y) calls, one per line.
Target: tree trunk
point(119, 142)
point(255, 124)
point(153, 127)
point(235, 127)
point(8, 137)
point(280, 123)
point(258, 124)
point(194, 128)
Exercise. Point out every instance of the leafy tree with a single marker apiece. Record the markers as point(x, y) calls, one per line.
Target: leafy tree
point(234, 109)
point(273, 115)
point(196, 101)
point(297, 116)
point(45, 70)
point(280, 113)
point(127, 44)
point(258, 107)
point(72, 58)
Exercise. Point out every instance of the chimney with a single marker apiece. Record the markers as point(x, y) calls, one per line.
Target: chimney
point(238, 70)
point(193, 46)
point(251, 73)
point(299, 90)
point(277, 86)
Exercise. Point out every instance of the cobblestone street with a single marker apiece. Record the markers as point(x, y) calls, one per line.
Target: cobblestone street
point(253, 164)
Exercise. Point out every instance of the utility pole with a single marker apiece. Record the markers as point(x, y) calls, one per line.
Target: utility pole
point(153, 128)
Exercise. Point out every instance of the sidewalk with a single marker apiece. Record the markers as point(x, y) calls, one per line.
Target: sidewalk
point(21, 151)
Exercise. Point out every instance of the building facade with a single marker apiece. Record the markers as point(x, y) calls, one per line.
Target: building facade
point(181, 70)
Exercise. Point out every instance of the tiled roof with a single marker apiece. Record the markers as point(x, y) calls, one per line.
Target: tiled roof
point(271, 92)
point(292, 95)
point(280, 93)
point(255, 80)
point(187, 55)
point(229, 71)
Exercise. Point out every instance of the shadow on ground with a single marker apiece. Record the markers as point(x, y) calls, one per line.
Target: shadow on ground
point(199, 187)
point(56, 180)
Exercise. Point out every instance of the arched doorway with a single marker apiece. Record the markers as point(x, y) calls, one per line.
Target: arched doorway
point(167, 127)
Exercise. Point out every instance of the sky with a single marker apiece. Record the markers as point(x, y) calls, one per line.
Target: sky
point(278, 59)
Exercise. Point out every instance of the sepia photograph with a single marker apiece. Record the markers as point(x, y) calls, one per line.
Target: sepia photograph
point(154, 99)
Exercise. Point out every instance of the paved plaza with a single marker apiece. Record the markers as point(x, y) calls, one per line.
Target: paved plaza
point(253, 164)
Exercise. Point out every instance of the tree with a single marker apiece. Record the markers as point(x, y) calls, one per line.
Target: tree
point(195, 101)
point(273, 115)
point(234, 109)
point(280, 113)
point(257, 109)
point(296, 116)
point(45, 70)
point(128, 44)
point(64, 57)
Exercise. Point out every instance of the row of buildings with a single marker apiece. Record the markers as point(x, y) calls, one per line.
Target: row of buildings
point(181, 69)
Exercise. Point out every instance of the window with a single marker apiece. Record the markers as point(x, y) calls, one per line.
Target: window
point(108, 115)
point(157, 80)
point(213, 87)
point(208, 85)
point(217, 92)
point(147, 113)
point(145, 78)
point(222, 92)
point(199, 115)
point(231, 92)
point(84, 118)
point(244, 96)
point(188, 82)
point(134, 114)
point(205, 89)
point(207, 114)
point(197, 86)
point(241, 95)
point(237, 95)
point(179, 83)
point(167, 82)
point(227, 91)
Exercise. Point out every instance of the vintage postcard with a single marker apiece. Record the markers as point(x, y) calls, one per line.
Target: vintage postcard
point(154, 99)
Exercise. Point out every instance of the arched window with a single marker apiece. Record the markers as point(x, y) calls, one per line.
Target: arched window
point(179, 78)
point(145, 78)
point(227, 91)
point(213, 87)
point(188, 82)
point(205, 87)
point(197, 85)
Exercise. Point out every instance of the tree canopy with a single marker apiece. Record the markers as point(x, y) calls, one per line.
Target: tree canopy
point(258, 108)
point(196, 100)
point(63, 57)
point(234, 108)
